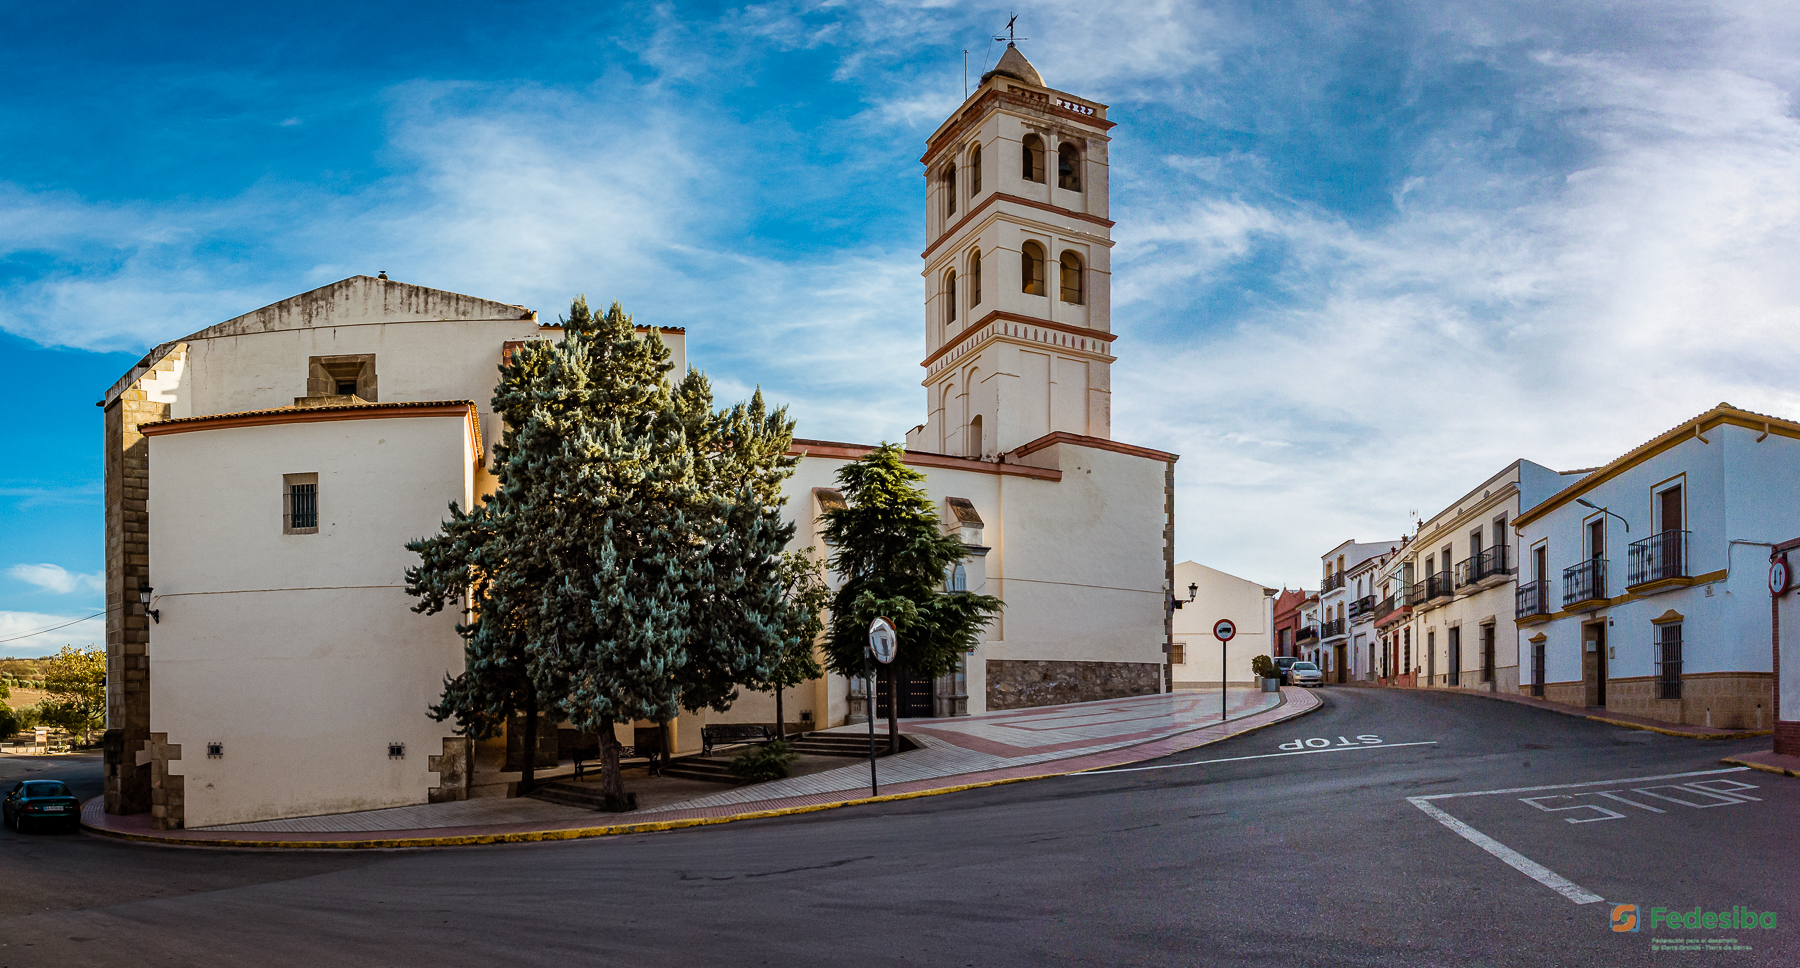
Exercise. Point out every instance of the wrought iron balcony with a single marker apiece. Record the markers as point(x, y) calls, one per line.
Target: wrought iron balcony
point(1532, 598)
point(1585, 582)
point(1481, 565)
point(1332, 583)
point(1305, 632)
point(1438, 585)
point(1331, 629)
point(1362, 606)
point(1659, 556)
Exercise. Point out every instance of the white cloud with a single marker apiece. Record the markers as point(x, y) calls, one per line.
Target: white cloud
point(20, 634)
point(59, 580)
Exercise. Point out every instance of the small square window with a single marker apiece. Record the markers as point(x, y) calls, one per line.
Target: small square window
point(215, 751)
point(1178, 654)
point(300, 504)
point(396, 751)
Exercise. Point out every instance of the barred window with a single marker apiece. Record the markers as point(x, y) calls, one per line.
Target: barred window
point(1178, 653)
point(300, 503)
point(1668, 660)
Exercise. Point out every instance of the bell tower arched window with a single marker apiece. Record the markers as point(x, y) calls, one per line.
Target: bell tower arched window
point(950, 296)
point(974, 278)
point(1068, 167)
point(974, 170)
point(1031, 268)
point(949, 189)
point(1071, 278)
point(1033, 158)
point(975, 441)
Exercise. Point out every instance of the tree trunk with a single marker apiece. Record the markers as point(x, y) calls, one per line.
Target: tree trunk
point(667, 741)
point(780, 718)
point(612, 782)
point(528, 769)
point(893, 678)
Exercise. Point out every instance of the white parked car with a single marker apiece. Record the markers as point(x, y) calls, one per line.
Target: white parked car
point(1305, 674)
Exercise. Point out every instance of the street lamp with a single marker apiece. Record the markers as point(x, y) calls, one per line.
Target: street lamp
point(1193, 592)
point(1584, 502)
point(144, 591)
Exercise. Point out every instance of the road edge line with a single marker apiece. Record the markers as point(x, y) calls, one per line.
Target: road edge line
point(1764, 767)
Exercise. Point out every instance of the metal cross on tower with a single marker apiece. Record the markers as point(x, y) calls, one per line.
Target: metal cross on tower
point(1009, 38)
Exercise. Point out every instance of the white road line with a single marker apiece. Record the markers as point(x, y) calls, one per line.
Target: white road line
point(1259, 756)
point(1525, 865)
point(1570, 786)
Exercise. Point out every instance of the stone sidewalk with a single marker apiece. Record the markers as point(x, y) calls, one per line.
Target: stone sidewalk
point(955, 754)
point(1601, 714)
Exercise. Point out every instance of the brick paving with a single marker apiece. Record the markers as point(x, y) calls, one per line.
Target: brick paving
point(957, 754)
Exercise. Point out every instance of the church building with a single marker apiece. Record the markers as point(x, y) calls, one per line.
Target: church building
point(264, 474)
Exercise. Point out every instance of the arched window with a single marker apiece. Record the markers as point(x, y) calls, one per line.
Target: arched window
point(1068, 167)
point(957, 580)
point(974, 442)
point(1071, 278)
point(1033, 157)
point(949, 189)
point(974, 278)
point(1031, 268)
point(950, 295)
point(974, 171)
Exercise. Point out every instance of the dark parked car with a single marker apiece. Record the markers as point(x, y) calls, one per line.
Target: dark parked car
point(1282, 664)
point(34, 803)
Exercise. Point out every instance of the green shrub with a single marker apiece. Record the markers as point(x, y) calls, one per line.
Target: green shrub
point(769, 761)
point(1263, 667)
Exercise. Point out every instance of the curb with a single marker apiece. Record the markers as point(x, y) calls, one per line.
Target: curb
point(612, 830)
point(1666, 731)
point(1766, 768)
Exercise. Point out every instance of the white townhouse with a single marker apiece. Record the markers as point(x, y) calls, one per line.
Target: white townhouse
point(1643, 585)
point(1785, 711)
point(1359, 588)
point(1333, 647)
point(1207, 595)
point(1394, 587)
point(1457, 623)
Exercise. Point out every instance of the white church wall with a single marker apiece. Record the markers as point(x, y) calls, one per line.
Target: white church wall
point(298, 652)
point(1219, 595)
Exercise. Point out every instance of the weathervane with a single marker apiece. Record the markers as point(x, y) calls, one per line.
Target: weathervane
point(1009, 38)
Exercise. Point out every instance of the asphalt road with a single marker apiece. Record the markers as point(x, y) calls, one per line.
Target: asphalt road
point(1310, 859)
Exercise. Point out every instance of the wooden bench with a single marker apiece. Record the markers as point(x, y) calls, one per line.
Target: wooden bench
point(588, 757)
point(727, 733)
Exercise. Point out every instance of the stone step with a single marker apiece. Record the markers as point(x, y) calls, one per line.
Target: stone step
point(701, 768)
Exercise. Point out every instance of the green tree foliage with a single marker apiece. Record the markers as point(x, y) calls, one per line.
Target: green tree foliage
point(1263, 667)
point(10, 721)
point(804, 597)
point(76, 682)
point(894, 555)
point(628, 564)
point(766, 761)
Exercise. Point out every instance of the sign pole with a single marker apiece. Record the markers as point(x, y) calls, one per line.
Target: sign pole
point(882, 643)
point(1223, 630)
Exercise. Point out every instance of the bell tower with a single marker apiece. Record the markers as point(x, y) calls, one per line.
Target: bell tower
point(1018, 314)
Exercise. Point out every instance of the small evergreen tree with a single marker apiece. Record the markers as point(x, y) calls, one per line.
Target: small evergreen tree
point(894, 556)
point(804, 598)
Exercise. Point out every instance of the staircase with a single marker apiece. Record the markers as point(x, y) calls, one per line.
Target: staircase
point(571, 793)
point(845, 744)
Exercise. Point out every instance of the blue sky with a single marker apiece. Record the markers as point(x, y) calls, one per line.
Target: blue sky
point(1368, 253)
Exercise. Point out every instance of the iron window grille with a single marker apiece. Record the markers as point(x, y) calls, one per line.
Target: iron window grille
point(215, 751)
point(1668, 660)
point(1487, 653)
point(396, 751)
point(300, 504)
point(1537, 669)
point(1658, 557)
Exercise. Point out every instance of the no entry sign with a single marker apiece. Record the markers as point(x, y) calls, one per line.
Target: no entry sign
point(1224, 629)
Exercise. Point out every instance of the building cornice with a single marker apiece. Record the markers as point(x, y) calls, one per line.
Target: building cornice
point(291, 415)
point(983, 205)
point(1097, 443)
point(973, 112)
point(1720, 416)
point(1001, 315)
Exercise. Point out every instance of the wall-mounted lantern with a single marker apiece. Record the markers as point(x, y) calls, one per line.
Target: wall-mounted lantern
point(144, 591)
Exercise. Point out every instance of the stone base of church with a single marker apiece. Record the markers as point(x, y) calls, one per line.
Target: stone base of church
point(1023, 683)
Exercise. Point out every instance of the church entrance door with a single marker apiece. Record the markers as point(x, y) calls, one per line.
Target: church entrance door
point(915, 695)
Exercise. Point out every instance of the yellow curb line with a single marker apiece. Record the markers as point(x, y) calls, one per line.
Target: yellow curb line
point(1766, 768)
point(1676, 732)
point(578, 833)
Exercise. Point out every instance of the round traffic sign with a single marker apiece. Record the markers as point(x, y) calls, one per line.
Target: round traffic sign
point(1778, 576)
point(1224, 629)
point(882, 640)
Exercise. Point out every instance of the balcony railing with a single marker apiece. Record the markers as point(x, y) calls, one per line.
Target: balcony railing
point(1306, 632)
point(1330, 629)
point(1484, 564)
point(1585, 582)
point(1362, 606)
point(1659, 556)
point(1438, 585)
point(1332, 583)
point(1532, 598)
